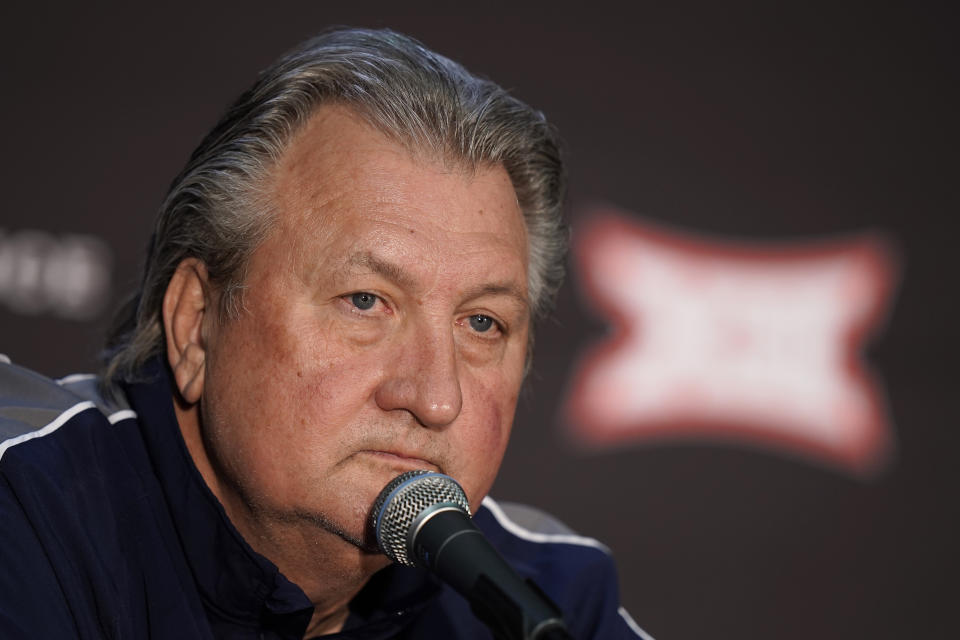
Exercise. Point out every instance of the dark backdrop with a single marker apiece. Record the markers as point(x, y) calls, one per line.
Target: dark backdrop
point(741, 121)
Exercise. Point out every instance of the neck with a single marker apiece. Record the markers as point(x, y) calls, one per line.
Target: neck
point(330, 570)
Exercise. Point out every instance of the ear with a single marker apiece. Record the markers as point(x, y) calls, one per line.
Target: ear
point(185, 304)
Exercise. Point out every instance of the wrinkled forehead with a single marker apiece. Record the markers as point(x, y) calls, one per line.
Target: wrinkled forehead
point(340, 175)
point(338, 149)
point(422, 143)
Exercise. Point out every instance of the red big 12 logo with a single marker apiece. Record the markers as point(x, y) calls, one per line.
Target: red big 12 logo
point(745, 342)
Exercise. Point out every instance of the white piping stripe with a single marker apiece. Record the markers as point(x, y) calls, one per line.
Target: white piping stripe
point(47, 430)
point(533, 536)
point(124, 414)
point(633, 625)
point(75, 377)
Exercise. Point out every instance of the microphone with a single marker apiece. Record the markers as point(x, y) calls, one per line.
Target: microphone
point(422, 519)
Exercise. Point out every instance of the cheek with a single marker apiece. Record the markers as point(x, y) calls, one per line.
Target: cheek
point(261, 395)
point(301, 361)
point(485, 442)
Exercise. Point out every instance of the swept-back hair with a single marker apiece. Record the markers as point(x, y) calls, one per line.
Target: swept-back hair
point(215, 210)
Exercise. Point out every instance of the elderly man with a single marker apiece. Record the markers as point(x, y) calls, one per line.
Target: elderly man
point(340, 287)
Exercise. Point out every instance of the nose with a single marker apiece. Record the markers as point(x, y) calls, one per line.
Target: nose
point(423, 379)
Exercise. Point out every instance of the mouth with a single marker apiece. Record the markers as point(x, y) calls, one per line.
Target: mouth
point(401, 460)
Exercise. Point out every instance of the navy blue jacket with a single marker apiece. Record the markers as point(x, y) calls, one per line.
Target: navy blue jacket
point(109, 531)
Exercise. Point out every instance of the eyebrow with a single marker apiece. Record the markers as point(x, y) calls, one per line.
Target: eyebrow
point(397, 275)
point(388, 270)
point(508, 290)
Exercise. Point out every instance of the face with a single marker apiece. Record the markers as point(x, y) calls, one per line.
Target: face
point(384, 329)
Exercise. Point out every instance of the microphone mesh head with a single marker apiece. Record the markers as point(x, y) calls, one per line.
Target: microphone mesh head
point(402, 500)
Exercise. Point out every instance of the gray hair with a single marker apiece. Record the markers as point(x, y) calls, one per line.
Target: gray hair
point(214, 210)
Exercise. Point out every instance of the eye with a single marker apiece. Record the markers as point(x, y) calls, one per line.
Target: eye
point(481, 323)
point(363, 300)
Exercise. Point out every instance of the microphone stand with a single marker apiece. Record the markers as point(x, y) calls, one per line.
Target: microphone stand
point(421, 518)
point(513, 608)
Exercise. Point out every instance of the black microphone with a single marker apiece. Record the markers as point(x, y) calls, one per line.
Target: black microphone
point(422, 519)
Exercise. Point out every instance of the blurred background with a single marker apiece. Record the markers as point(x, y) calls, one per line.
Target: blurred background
point(742, 144)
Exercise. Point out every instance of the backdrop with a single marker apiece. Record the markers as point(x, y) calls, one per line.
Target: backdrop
point(746, 391)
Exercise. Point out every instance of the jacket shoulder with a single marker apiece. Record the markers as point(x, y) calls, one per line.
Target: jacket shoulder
point(577, 572)
point(519, 522)
point(31, 402)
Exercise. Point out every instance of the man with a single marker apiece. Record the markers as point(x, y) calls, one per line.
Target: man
point(340, 287)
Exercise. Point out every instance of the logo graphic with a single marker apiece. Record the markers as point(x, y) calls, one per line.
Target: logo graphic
point(44, 274)
point(736, 342)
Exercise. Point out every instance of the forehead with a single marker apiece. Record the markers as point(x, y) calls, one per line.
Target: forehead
point(343, 187)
